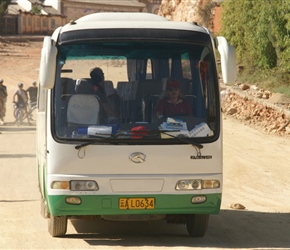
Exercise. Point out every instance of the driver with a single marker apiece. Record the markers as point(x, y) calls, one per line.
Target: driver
point(173, 103)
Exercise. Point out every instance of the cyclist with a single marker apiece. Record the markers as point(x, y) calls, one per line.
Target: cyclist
point(32, 91)
point(3, 99)
point(22, 99)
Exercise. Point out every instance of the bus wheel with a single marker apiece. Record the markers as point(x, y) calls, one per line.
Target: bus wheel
point(57, 225)
point(197, 224)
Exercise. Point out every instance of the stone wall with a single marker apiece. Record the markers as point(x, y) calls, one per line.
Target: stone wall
point(29, 23)
point(201, 11)
point(180, 10)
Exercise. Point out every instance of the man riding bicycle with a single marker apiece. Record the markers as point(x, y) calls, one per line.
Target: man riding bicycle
point(32, 92)
point(3, 99)
point(22, 100)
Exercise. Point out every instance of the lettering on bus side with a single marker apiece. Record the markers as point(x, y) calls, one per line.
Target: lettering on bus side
point(200, 157)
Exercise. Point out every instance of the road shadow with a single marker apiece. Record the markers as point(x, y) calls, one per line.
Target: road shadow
point(17, 156)
point(230, 229)
point(16, 201)
point(11, 127)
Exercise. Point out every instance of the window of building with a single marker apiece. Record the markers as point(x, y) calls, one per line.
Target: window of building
point(53, 24)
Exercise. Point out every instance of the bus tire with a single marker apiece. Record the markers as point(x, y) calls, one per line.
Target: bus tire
point(197, 224)
point(57, 225)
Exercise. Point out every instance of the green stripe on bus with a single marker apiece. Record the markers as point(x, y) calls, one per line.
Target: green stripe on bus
point(109, 205)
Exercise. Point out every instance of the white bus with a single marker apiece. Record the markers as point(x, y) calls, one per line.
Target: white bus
point(113, 143)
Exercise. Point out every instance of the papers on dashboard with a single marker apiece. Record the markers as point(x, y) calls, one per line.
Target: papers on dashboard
point(179, 127)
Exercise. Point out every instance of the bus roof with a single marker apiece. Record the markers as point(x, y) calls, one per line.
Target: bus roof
point(122, 16)
point(124, 20)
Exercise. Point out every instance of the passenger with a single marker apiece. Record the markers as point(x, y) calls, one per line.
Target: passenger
point(97, 77)
point(3, 100)
point(173, 104)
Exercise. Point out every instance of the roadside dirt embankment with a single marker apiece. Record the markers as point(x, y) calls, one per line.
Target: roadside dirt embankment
point(258, 108)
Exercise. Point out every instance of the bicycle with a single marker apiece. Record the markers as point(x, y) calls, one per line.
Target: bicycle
point(31, 107)
point(2, 108)
point(2, 112)
point(20, 113)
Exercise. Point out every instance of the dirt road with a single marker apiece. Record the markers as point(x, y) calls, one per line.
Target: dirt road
point(256, 175)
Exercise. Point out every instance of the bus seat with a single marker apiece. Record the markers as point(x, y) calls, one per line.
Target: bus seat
point(149, 103)
point(84, 106)
point(127, 93)
point(184, 85)
point(112, 97)
point(164, 81)
point(148, 87)
point(120, 88)
point(146, 97)
point(84, 86)
point(109, 88)
point(68, 87)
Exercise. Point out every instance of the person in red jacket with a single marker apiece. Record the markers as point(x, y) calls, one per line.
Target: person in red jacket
point(173, 104)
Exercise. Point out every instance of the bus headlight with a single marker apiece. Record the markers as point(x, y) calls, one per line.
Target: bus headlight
point(197, 184)
point(60, 185)
point(74, 200)
point(181, 185)
point(198, 199)
point(211, 184)
point(84, 186)
point(188, 184)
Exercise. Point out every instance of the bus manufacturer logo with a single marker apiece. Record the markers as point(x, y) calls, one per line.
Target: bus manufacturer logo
point(137, 157)
point(198, 157)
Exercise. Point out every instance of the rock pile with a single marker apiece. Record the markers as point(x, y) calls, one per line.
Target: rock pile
point(257, 107)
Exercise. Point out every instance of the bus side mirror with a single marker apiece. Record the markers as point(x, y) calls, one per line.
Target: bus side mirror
point(228, 60)
point(47, 63)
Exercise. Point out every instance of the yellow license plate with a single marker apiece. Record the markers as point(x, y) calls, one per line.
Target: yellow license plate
point(136, 203)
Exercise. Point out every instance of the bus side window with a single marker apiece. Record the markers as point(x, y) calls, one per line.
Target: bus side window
point(67, 90)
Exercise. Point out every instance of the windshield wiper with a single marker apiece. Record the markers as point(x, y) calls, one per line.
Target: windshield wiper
point(96, 140)
point(182, 138)
point(141, 134)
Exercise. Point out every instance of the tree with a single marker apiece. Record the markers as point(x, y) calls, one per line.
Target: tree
point(36, 9)
point(259, 30)
point(3, 6)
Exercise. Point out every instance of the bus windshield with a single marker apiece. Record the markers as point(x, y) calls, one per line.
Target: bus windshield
point(131, 90)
